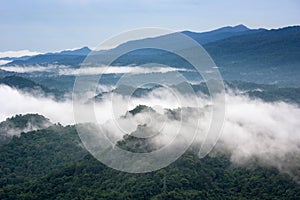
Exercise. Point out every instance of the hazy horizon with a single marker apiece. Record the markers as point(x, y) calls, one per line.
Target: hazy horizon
point(55, 25)
point(32, 52)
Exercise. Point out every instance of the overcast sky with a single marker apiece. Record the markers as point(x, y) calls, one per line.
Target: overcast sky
point(51, 25)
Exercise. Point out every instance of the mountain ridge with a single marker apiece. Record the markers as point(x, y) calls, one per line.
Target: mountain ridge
point(201, 37)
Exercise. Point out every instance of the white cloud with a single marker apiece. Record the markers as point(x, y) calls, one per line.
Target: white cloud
point(268, 133)
point(3, 62)
point(67, 70)
point(254, 131)
point(15, 102)
point(29, 69)
point(117, 70)
point(18, 53)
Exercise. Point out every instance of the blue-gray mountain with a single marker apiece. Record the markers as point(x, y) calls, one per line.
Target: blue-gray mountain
point(73, 56)
point(253, 55)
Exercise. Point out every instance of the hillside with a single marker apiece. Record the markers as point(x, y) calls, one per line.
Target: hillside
point(29, 86)
point(14, 126)
point(265, 57)
point(252, 55)
point(67, 57)
point(52, 164)
point(37, 153)
point(74, 57)
point(268, 57)
point(221, 33)
point(188, 178)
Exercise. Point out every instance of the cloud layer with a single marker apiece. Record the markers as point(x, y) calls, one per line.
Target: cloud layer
point(15, 102)
point(254, 131)
point(117, 70)
point(67, 70)
point(17, 54)
point(29, 69)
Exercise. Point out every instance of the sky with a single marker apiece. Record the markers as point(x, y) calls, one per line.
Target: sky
point(53, 25)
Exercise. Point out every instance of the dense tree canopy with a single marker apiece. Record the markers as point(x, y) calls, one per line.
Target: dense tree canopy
point(52, 164)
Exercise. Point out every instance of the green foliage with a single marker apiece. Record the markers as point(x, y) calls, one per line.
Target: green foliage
point(137, 145)
point(37, 153)
point(51, 164)
point(21, 123)
point(187, 178)
point(140, 108)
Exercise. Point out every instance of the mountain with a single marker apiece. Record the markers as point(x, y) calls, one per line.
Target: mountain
point(142, 56)
point(265, 57)
point(4, 73)
point(221, 33)
point(14, 126)
point(37, 153)
point(51, 164)
point(27, 85)
point(267, 93)
point(269, 48)
point(202, 38)
point(21, 83)
point(77, 52)
point(188, 178)
point(251, 55)
point(74, 57)
point(67, 57)
point(15, 58)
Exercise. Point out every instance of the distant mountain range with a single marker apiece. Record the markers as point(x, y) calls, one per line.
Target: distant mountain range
point(67, 57)
point(254, 55)
point(221, 33)
point(76, 56)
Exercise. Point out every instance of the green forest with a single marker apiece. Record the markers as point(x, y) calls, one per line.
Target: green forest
point(52, 164)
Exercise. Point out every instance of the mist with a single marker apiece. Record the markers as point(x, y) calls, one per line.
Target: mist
point(69, 71)
point(19, 53)
point(254, 131)
point(33, 68)
point(117, 70)
point(15, 102)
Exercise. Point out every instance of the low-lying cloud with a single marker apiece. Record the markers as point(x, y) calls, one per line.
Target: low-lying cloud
point(17, 54)
point(3, 62)
point(69, 71)
point(117, 70)
point(14, 102)
point(267, 133)
point(254, 131)
point(33, 68)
